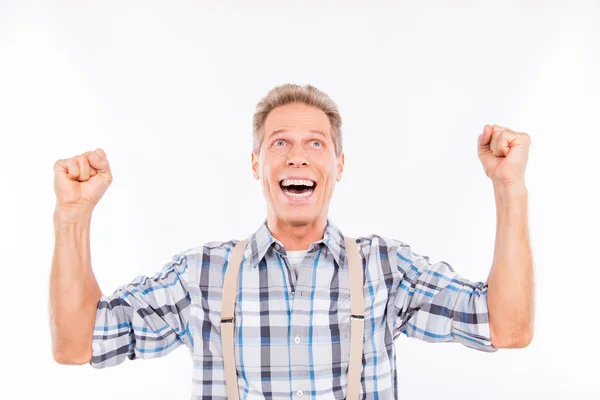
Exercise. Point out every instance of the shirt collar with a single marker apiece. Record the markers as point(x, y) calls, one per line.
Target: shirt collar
point(262, 240)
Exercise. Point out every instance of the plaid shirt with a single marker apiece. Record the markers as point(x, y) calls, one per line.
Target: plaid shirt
point(292, 337)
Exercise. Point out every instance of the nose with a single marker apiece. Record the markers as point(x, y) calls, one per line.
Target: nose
point(297, 156)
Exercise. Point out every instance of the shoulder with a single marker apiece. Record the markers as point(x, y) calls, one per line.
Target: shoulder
point(374, 243)
point(207, 254)
point(399, 254)
point(380, 256)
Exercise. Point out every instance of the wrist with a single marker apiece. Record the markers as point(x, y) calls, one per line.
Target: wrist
point(71, 216)
point(510, 198)
point(510, 188)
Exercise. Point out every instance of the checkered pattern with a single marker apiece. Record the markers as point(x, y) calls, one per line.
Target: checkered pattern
point(292, 336)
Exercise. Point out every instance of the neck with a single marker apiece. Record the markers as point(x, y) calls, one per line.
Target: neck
point(297, 236)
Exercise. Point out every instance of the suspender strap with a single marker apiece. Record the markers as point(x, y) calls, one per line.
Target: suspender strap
point(230, 285)
point(357, 319)
point(357, 322)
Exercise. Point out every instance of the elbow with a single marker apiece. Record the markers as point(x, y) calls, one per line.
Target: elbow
point(71, 358)
point(512, 343)
point(515, 339)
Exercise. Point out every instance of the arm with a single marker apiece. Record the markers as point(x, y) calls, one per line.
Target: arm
point(146, 318)
point(433, 303)
point(74, 292)
point(79, 183)
point(510, 296)
point(503, 154)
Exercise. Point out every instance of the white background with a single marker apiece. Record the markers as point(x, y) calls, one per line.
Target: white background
point(168, 91)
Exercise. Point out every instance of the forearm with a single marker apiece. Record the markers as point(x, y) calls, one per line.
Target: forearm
point(510, 282)
point(74, 291)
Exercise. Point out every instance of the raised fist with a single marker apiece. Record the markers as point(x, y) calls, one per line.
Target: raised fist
point(80, 181)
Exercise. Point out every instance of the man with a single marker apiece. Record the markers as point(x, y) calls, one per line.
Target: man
point(293, 309)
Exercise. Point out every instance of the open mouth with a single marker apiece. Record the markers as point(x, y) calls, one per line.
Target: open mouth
point(297, 189)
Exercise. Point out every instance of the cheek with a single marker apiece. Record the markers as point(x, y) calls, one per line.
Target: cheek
point(268, 180)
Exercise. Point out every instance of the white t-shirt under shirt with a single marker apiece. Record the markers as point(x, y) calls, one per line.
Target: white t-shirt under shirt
point(296, 258)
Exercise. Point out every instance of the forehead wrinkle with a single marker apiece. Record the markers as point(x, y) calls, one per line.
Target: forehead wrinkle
point(284, 119)
point(283, 130)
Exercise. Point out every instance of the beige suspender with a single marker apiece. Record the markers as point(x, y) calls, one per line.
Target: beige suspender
point(357, 312)
point(357, 318)
point(227, 322)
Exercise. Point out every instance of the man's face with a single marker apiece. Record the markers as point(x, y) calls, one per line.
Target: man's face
point(297, 144)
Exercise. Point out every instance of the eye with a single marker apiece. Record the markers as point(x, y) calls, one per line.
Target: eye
point(278, 140)
point(317, 141)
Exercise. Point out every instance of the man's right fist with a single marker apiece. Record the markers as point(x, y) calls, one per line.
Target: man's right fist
point(80, 182)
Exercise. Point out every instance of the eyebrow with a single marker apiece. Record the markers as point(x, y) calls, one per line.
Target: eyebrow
point(276, 131)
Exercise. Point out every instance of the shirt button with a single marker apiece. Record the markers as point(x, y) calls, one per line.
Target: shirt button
point(299, 393)
point(277, 246)
point(346, 334)
point(297, 340)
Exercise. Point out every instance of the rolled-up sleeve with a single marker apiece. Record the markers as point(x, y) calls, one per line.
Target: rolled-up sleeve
point(433, 303)
point(146, 318)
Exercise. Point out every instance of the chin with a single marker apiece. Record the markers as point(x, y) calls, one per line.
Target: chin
point(297, 218)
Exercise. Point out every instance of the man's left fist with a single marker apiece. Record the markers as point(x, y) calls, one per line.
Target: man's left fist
point(503, 154)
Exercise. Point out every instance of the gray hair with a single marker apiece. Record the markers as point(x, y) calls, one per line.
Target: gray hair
point(291, 93)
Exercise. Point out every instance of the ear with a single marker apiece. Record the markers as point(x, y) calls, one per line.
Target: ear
point(254, 162)
point(340, 167)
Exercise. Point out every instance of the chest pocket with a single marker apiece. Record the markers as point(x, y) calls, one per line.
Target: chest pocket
point(331, 347)
point(332, 350)
point(204, 327)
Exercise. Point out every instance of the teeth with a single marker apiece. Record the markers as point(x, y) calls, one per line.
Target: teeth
point(298, 195)
point(287, 182)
